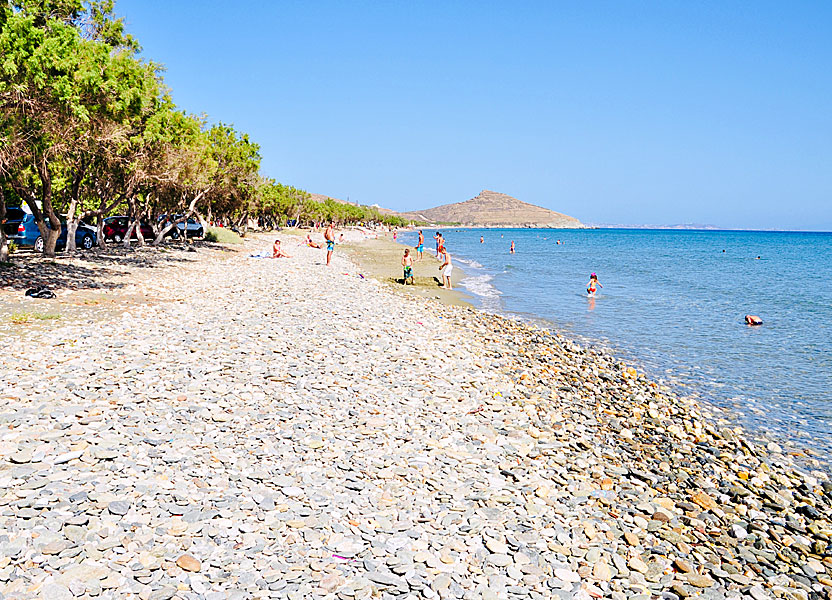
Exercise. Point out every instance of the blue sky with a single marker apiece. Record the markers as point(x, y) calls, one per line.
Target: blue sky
point(613, 112)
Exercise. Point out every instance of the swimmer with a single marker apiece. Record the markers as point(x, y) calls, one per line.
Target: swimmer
point(482, 240)
point(753, 320)
point(407, 264)
point(511, 250)
point(590, 287)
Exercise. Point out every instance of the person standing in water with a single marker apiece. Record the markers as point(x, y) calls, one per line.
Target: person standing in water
point(447, 268)
point(511, 250)
point(420, 247)
point(329, 236)
point(592, 285)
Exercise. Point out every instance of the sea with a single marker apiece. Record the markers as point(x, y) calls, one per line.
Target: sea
point(673, 304)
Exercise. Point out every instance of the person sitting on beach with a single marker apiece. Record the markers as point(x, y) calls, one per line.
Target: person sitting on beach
point(447, 268)
point(277, 252)
point(591, 286)
point(407, 264)
point(310, 243)
point(753, 320)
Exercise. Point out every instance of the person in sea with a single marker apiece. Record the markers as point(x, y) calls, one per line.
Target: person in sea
point(592, 286)
point(277, 252)
point(407, 265)
point(482, 240)
point(420, 247)
point(437, 237)
point(329, 236)
point(447, 268)
point(511, 250)
point(440, 251)
point(753, 320)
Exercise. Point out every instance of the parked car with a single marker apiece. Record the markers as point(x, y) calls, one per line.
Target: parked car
point(28, 235)
point(193, 225)
point(12, 220)
point(115, 228)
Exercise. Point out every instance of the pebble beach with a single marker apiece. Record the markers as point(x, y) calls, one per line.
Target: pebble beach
point(233, 427)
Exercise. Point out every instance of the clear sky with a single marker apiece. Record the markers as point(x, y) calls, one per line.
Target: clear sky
point(613, 112)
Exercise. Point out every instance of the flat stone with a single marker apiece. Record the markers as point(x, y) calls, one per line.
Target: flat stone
point(188, 563)
point(118, 507)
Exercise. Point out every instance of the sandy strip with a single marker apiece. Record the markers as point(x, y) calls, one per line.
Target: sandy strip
point(276, 428)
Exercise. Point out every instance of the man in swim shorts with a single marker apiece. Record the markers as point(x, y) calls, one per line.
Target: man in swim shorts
point(447, 269)
point(421, 245)
point(329, 236)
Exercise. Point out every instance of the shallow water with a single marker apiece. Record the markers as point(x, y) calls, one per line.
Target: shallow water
point(674, 302)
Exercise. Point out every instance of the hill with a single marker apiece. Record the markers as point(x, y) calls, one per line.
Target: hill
point(492, 209)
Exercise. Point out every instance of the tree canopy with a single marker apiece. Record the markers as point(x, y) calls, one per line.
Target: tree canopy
point(88, 129)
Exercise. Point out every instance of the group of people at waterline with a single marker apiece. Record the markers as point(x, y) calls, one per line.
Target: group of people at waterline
point(446, 267)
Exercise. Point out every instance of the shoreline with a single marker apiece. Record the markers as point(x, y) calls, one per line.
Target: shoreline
point(279, 418)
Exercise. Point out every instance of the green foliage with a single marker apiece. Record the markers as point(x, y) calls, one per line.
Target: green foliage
point(88, 128)
point(222, 235)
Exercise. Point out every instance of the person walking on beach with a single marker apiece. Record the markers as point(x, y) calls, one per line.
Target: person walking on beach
point(591, 286)
point(407, 265)
point(329, 236)
point(511, 250)
point(420, 247)
point(447, 268)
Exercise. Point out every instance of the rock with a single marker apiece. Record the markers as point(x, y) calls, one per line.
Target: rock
point(703, 500)
point(188, 563)
point(700, 581)
point(118, 507)
point(21, 456)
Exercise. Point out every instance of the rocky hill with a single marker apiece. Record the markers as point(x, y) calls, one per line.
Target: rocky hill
point(492, 209)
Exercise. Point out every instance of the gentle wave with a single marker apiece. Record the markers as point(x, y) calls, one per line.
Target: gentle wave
point(470, 263)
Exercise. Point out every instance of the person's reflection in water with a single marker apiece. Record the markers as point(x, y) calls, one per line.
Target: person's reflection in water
point(591, 303)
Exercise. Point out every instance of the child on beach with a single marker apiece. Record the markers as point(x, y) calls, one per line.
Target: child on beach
point(407, 264)
point(591, 286)
point(447, 268)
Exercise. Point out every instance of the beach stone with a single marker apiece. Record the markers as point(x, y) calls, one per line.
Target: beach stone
point(21, 456)
point(188, 563)
point(55, 591)
point(700, 581)
point(118, 507)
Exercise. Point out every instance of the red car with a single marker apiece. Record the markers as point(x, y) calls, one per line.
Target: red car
point(115, 228)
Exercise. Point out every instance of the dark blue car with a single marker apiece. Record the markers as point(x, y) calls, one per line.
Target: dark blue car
point(28, 235)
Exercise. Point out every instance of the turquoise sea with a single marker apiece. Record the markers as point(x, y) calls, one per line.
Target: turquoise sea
point(673, 303)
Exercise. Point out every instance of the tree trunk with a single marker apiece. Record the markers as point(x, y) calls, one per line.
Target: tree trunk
point(4, 245)
point(72, 218)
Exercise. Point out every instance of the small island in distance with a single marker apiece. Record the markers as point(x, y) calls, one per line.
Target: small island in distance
point(493, 209)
